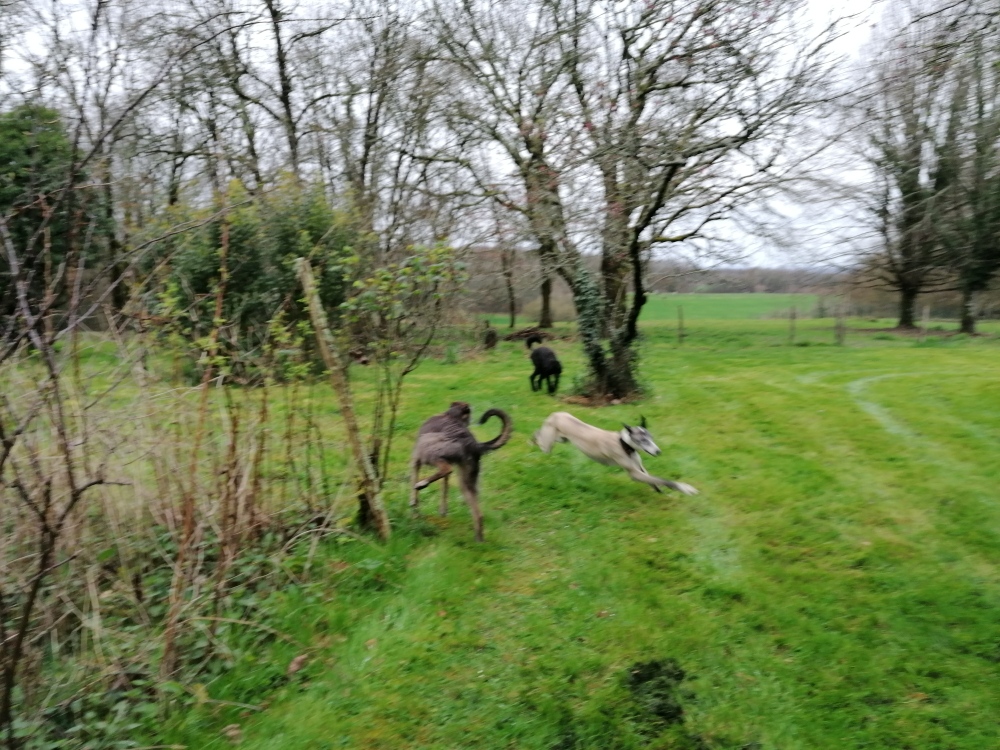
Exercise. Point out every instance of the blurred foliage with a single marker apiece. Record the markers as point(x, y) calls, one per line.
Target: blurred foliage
point(35, 161)
point(262, 316)
point(395, 312)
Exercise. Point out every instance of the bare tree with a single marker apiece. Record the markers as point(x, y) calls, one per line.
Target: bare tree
point(379, 130)
point(659, 118)
point(689, 110)
point(508, 109)
point(911, 117)
point(969, 221)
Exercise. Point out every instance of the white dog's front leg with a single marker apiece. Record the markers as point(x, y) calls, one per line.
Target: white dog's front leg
point(640, 474)
point(546, 437)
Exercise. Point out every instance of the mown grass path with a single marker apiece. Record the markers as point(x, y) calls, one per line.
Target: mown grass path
point(835, 585)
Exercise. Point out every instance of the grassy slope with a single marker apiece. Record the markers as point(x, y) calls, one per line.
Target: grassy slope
point(835, 584)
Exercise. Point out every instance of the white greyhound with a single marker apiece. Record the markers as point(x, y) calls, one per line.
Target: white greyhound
point(607, 447)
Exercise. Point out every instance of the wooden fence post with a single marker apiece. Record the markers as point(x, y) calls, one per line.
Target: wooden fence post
point(370, 485)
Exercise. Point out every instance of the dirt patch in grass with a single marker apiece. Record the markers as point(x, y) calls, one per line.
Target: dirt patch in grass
point(597, 401)
point(654, 685)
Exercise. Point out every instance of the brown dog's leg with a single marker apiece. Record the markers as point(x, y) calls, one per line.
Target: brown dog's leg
point(443, 509)
point(414, 478)
point(468, 479)
point(444, 469)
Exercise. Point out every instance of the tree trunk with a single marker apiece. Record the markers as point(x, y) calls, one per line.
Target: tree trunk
point(907, 308)
point(968, 320)
point(372, 509)
point(278, 15)
point(622, 380)
point(613, 272)
point(117, 268)
point(507, 262)
point(615, 242)
point(545, 317)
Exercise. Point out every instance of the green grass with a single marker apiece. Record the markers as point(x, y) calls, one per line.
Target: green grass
point(835, 585)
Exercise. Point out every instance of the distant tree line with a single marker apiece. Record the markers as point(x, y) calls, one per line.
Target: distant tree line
point(500, 277)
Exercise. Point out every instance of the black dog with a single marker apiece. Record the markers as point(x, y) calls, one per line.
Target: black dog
point(445, 441)
point(489, 337)
point(547, 366)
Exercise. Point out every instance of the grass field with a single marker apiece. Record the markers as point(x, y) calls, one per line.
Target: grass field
point(836, 584)
point(726, 306)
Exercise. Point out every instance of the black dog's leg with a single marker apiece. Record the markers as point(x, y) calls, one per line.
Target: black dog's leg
point(531, 379)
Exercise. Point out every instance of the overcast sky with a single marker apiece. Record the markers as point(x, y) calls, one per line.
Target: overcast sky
point(857, 28)
point(817, 229)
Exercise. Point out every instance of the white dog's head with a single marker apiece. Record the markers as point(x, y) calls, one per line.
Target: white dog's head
point(639, 438)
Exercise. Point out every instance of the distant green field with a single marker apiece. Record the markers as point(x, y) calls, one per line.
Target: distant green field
point(726, 306)
point(663, 307)
point(771, 310)
point(835, 585)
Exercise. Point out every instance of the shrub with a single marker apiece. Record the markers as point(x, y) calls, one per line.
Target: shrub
point(266, 234)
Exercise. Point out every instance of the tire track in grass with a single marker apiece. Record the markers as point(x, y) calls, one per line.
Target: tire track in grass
point(880, 414)
point(864, 480)
point(907, 566)
point(769, 476)
point(934, 451)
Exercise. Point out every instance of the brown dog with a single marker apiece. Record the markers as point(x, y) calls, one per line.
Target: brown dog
point(445, 441)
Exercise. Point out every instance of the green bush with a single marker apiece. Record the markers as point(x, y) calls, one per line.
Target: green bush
point(35, 155)
point(263, 320)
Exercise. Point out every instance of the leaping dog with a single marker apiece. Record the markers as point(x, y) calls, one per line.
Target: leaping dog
point(607, 447)
point(445, 441)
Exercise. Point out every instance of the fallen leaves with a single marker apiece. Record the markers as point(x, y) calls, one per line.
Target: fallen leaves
point(234, 733)
point(296, 664)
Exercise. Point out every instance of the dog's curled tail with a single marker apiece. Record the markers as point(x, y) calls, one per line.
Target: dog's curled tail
point(501, 439)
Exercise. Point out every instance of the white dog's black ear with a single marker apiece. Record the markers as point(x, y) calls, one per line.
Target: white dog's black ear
point(642, 422)
point(626, 426)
